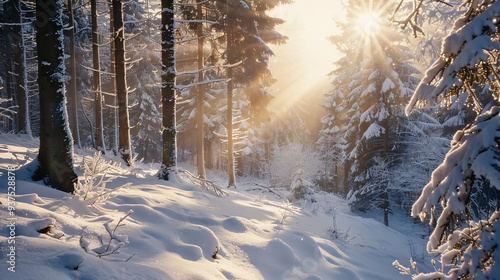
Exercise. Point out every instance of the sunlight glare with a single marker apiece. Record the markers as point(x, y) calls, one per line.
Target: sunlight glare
point(368, 24)
point(301, 66)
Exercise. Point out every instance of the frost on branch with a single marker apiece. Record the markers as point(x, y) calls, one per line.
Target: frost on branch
point(109, 244)
point(93, 188)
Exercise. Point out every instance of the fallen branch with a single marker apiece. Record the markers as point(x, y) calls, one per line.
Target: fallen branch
point(208, 185)
point(277, 193)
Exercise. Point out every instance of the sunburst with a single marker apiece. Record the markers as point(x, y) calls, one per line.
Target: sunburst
point(370, 28)
point(368, 24)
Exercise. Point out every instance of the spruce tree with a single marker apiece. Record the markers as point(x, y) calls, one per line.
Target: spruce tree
point(375, 78)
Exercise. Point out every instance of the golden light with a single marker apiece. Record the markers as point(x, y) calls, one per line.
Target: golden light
point(368, 24)
point(370, 28)
point(302, 65)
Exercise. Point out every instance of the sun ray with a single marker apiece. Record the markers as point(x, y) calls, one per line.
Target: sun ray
point(370, 27)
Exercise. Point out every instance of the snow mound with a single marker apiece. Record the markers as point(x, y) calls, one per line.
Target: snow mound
point(201, 237)
point(275, 259)
point(234, 224)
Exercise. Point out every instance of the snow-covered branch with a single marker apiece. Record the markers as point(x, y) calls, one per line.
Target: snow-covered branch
point(201, 83)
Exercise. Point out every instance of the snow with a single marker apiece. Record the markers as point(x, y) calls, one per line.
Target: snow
point(387, 85)
point(244, 5)
point(374, 130)
point(176, 228)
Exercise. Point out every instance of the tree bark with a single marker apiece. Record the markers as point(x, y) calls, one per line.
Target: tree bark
point(55, 157)
point(112, 78)
point(209, 161)
point(169, 157)
point(124, 145)
point(99, 138)
point(73, 94)
point(201, 96)
point(229, 126)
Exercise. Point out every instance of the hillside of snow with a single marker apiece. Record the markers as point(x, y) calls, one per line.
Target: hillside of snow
point(176, 226)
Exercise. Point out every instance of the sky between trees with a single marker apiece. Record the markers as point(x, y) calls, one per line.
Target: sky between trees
point(301, 66)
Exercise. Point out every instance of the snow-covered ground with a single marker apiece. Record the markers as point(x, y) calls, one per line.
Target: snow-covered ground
point(175, 228)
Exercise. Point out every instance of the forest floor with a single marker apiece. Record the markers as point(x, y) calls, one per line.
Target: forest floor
point(176, 226)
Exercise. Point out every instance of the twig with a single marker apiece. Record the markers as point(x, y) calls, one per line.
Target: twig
point(208, 185)
point(269, 190)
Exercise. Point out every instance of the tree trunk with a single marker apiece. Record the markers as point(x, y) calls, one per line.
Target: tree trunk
point(124, 144)
point(73, 94)
point(99, 144)
point(229, 127)
point(385, 183)
point(347, 171)
point(201, 97)
point(169, 160)
point(55, 165)
point(386, 207)
point(112, 78)
point(209, 161)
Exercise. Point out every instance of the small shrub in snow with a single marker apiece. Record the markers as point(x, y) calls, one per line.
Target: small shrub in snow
point(92, 190)
point(287, 160)
point(334, 232)
point(109, 244)
point(301, 188)
point(286, 211)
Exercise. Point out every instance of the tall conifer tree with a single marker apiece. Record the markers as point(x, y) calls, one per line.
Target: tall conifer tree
point(55, 157)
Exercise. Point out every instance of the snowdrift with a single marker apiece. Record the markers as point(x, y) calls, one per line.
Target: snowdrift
point(180, 231)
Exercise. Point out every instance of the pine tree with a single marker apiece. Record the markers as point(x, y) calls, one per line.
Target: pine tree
point(55, 158)
point(112, 83)
point(169, 155)
point(72, 89)
point(230, 21)
point(125, 148)
point(331, 142)
point(99, 137)
point(200, 108)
